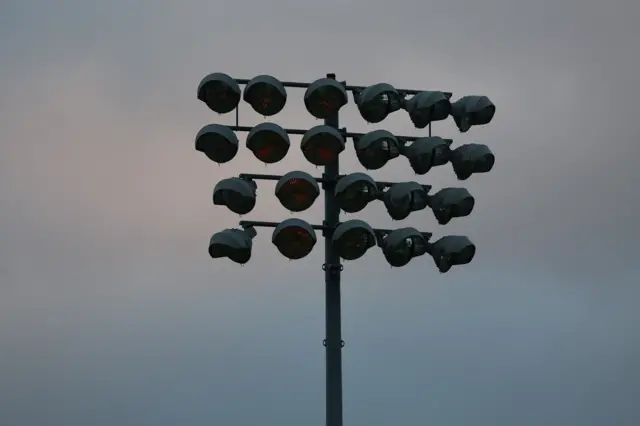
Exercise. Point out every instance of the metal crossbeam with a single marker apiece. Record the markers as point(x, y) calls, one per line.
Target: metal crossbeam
point(344, 132)
point(257, 176)
point(262, 224)
point(302, 85)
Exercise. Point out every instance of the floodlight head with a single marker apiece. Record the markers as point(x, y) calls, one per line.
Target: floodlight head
point(268, 142)
point(325, 97)
point(402, 245)
point(219, 92)
point(471, 111)
point(266, 95)
point(322, 144)
point(297, 191)
point(403, 198)
point(426, 107)
point(425, 153)
point(217, 142)
point(470, 159)
point(234, 244)
point(451, 202)
point(376, 102)
point(353, 238)
point(452, 250)
point(239, 195)
point(294, 238)
point(355, 191)
point(376, 148)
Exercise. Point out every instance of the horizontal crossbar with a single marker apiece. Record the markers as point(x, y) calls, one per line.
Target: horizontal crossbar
point(303, 131)
point(301, 85)
point(260, 224)
point(254, 176)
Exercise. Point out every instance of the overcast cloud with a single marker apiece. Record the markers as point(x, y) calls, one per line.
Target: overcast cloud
point(112, 313)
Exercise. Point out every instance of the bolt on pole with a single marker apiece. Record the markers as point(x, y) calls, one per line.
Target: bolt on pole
point(333, 326)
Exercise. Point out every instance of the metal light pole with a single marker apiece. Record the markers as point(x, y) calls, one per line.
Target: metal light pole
point(348, 240)
point(332, 268)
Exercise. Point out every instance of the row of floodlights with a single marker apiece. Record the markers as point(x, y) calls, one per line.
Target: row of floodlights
point(321, 146)
point(324, 97)
point(298, 190)
point(295, 239)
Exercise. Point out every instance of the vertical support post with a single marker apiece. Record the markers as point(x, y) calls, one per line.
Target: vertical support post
point(333, 326)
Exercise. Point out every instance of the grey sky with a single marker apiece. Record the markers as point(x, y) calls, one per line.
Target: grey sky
point(111, 311)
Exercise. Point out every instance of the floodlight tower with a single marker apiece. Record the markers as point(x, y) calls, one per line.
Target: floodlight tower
point(322, 145)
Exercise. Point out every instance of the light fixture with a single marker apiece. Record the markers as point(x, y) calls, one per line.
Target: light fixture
point(376, 148)
point(470, 159)
point(238, 195)
point(294, 238)
point(427, 107)
point(322, 144)
point(235, 244)
point(425, 153)
point(404, 244)
point(376, 102)
point(325, 97)
point(403, 198)
point(219, 92)
point(266, 95)
point(297, 191)
point(471, 111)
point(451, 202)
point(268, 142)
point(353, 238)
point(452, 250)
point(217, 142)
point(354, 191)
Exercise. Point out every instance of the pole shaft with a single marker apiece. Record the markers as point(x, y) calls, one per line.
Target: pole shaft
point(332, 295)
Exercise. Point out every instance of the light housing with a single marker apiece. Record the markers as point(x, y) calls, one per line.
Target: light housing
point(451, 202)
point(321, 145)
point(427, 107)
point(376, 148)
point(266, 95)
point(219, 92)
point(219, 143)
point(297, 191)
point(403, 244)
point(403, 198)
point(325, 97)
point(353, 238)
point(376, 102)
point(471, 111)
point(354, 191)
point(294, 238)
point(471, 159)
point(238, 195)
point(452, 250)
point(425, 153)
point(269, 142)
point(235, 244)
